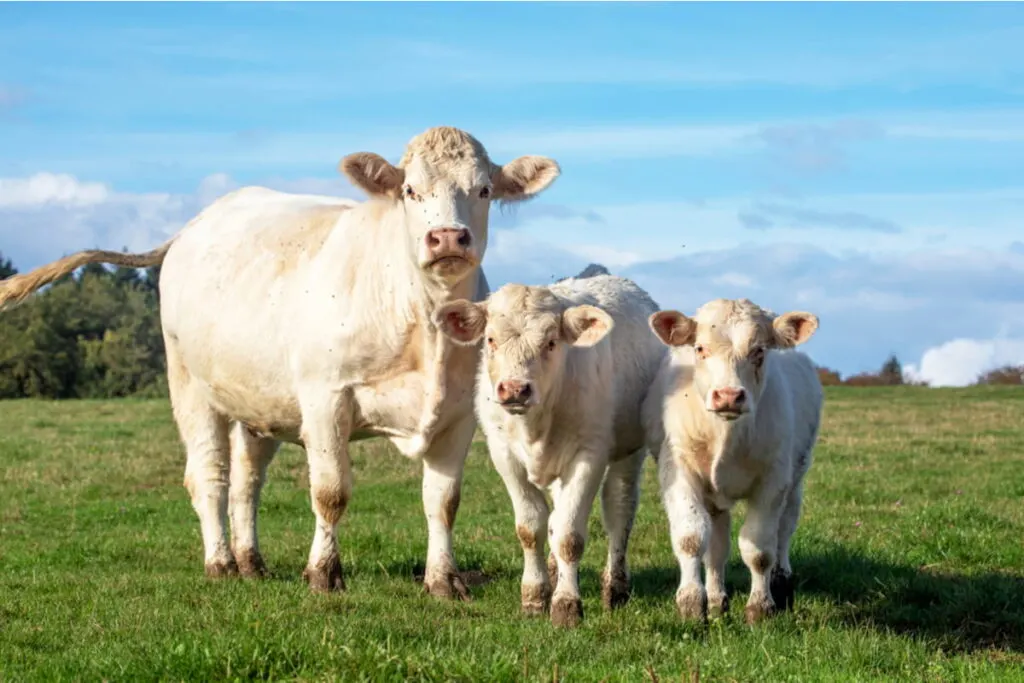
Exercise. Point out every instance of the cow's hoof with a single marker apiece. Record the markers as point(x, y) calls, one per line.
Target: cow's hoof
point(536, 599)
point(692, 604)
point(614, 591)
point(758, 611)
point(221, 568)
point(448, 587)
point(250, 564)
point(325, 576)
point(718, 607)
point(552, 571)
point(782, 589)
point(566, 612)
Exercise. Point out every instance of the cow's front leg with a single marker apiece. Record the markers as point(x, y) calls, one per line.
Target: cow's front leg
point(688, 526)
point(442, 488)
point(326, 423)
point(573, 504)
point(250, 457)
point(531, 511)
point(619, 498)
point(759, 546)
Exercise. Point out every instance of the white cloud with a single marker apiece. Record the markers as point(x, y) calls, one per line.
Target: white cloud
point(960, 362)
point(50, 188)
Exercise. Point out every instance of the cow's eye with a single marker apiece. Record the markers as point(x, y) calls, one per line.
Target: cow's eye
point(757, 355)
point(485, 193)
point(700, 351)
point(409, 192)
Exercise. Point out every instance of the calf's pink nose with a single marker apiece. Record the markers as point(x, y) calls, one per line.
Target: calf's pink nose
point(514, 392)
point(727, 399)
point(448, 242)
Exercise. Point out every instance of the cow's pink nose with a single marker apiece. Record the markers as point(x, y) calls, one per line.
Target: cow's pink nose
point(514, 392)
point(731, 400)
point(444, 242)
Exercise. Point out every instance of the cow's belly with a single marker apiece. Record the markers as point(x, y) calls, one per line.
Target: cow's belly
point(391, 409)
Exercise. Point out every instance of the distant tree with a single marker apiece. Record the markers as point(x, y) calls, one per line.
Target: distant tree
point(1008, 374)
point(7, 268)
point(829, 377)
point(892, 371)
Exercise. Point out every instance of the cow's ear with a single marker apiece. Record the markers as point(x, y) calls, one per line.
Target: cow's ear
point(673, 328)
point(373, 174)
point(794, 328)
point(462, 321)
point(524, 177)
point(585, 325)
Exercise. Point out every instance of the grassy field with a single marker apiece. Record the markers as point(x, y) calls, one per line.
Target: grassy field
point(910, 563)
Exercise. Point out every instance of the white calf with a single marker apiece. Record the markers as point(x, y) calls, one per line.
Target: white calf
point(733, 415)
point(558, 397)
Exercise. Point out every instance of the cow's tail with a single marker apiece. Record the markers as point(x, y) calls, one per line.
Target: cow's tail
point(17, 288)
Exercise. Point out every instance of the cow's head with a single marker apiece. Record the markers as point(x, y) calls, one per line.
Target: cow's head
point(528, 331)
point(446, 182)
point(732, 342)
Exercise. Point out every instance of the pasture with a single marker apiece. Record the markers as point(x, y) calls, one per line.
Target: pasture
point(909, 563)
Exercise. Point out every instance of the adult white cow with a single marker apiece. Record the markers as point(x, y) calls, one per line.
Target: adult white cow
point(733, 415)
point(558, 396)
point(309, 319)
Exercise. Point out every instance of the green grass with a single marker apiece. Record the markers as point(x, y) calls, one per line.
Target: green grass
point(910, 562)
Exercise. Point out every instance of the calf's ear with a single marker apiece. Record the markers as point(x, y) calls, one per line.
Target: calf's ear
point(673, 328)
point(585, 325)
point(794, 328)
point(524, 177)
point(373, 174)
point(462, 321)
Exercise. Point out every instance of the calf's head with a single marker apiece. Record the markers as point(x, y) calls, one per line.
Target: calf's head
point(445, 183)
point(527, 333)
point(732, 341)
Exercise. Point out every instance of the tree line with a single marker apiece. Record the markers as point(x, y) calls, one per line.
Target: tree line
point(96, 334)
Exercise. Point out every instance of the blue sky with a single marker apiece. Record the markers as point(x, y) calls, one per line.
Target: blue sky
point(862, 160)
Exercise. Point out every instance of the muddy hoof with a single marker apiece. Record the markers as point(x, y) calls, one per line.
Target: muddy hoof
point(219, 569)
point(614, 592)
point(450, 587)
point(566, 612)
point(782, 590)
point(536, 600)
point(692, 604)
point(718, 608)
point(758, 612)
point(250, 564)
point(325, 577)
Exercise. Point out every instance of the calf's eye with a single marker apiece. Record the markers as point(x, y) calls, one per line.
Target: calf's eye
point(485, 193)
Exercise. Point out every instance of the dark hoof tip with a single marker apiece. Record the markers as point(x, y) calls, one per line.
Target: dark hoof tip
point(326, 577)
point(566, 612)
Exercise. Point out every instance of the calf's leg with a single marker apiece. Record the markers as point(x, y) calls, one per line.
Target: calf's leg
point(714, 562)
point(689, 527)
point(326, 424)
point(531, 511)
point(782, 576)
point(573, 505)
point(759, 545)
point(619, 497)
point(250, 457)
point(443, 464)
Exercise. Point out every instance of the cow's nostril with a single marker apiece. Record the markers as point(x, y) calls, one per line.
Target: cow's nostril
point(741, 396)
point(464, 238)
point(433, 241)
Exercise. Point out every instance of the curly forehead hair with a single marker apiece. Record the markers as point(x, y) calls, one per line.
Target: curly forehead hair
point(444, 145)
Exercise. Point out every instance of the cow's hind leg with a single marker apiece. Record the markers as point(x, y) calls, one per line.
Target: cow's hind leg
point(326, 422)
point(443, 464)
point(619, 498)
point(250, 457)
point(205, 434)
point(782, 574)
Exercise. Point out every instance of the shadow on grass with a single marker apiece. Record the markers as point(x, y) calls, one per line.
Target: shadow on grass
point(958, 612)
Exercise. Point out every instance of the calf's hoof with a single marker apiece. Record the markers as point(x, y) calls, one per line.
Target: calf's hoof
point(718, 608)
point(566, 612)
point(447, 587)
point(614, 591)
point(782, 586)
point(325, 576)
point(221, 568)
point(758, 612)
point(692, 604)
point(536, 599)
point(250, 564)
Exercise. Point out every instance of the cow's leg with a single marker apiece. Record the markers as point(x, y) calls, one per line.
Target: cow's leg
point(250, 457)
point(531, 510)
point(714, 562)
point(442, 487)
point(782, 576)
point(689, 527)
point(759, 545)
point(573, 505)
point(205, 434)
point(554, 489)
point(326, 421)
point(619, 498)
